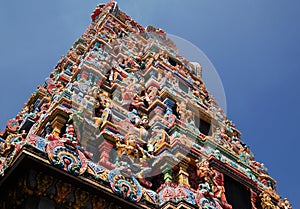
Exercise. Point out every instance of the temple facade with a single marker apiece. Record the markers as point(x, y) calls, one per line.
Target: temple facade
point(124, 121)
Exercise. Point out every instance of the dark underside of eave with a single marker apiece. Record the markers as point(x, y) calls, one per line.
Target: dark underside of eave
point(27, 161)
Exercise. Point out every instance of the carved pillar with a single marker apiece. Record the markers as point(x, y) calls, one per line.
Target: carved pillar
point(253, 199)
point(183, 176)
point(86, 135)
point(167, 170)
point(104, 148)
point(57, 124)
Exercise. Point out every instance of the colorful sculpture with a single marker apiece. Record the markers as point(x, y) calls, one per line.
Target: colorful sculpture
point(123, 116)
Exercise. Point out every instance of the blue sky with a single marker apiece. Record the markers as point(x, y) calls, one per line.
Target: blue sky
point(254, 46)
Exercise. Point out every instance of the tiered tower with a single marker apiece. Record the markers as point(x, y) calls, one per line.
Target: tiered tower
point(124, 121)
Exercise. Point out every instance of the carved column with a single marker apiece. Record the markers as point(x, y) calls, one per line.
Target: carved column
point(86, 134)
point(253, 199)
point(183, 176)
point(57, 124)
point(104, 148)
point(168, 172)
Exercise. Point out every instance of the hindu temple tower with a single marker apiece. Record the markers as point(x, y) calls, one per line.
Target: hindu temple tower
point(124, 121)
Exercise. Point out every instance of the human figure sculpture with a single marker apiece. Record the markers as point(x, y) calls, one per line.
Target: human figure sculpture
point(285, 204)
point(266, 201)
point(204, 197)
point(170, 118)
point(219, 190)
point(203, 170)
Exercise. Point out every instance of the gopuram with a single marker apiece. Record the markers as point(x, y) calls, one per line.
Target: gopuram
point(124, 121)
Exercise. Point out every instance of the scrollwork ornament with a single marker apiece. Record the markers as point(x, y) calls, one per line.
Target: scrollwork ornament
point(72, 161)
point(125, 186)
